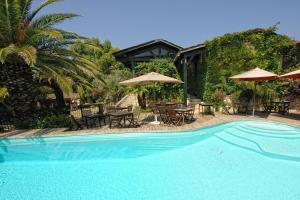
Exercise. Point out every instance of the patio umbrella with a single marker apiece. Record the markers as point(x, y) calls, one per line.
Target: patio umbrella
point(255, 75)
point(150, 79)
point(293, 75)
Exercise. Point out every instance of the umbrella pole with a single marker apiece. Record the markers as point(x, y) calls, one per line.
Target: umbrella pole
point(253, 111)
point(155, 122)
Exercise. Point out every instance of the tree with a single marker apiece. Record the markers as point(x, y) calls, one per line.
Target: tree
point(31, 49)
point(112, 71)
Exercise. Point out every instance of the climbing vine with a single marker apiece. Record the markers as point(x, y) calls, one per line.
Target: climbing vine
point(234, 53)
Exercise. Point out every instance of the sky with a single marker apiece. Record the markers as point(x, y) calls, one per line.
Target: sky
point(184, 22)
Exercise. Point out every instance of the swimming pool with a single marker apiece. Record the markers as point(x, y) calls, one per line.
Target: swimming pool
point(236, 160)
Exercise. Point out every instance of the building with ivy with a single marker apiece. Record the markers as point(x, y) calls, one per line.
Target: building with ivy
point(190, 62)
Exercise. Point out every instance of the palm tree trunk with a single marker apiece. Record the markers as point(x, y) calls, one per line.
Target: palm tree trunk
point(60, 100)
point(21, 89)
point(59, 95)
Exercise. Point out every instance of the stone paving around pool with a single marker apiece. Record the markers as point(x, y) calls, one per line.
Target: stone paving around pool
point(200, 122)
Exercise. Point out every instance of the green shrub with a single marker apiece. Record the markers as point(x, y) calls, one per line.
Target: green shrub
point(218, 98)
point(51, 121)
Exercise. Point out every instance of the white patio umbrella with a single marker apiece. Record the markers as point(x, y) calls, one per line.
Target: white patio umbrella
point(150, 79)
point(292, 75)
point(255, 75)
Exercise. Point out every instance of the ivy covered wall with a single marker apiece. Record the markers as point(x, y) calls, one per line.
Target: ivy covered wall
point(234, 53)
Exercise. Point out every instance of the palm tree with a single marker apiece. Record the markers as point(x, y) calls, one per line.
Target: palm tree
point(32, 50)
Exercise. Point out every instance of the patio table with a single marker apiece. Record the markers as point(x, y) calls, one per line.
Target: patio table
point(209, 106)
point(183, 112)
point(123, 115)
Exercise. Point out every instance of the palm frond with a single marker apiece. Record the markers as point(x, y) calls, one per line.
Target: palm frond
point(3, 93)
point(5, 16)
point(39, 36)
point(27, 53)
point(25, 6)
point(49, 73)
point(47, 21)
point(43, 5)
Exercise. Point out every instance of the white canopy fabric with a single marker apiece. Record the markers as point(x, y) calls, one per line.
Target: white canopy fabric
point(293, 75)
point(150, 78)
point(256, 74)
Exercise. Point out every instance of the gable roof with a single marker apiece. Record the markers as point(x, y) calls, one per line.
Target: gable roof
point(188, 50)
point(146, 44)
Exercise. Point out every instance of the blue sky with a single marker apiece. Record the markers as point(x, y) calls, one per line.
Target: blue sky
point(184, 22)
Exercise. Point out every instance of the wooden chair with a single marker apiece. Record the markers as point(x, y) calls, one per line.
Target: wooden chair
point(225, 109)
point(268, 107)
point(115, 121)
point(163, 114)
point(101, 115)
point(190, 114)
point(284, 109)
point(174, 118)
point(76, 124)
point(91, 118)
point(136, 116)
point(86, 112)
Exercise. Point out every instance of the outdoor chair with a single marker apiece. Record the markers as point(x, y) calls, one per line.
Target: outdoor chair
point(115, 121)
point(91, 118)
point(154, 109)
point(136, 116)
point(85, 113)
point(163, 114)
point(101, 115)
point(268, 107)
point(284, 109)
point(190, 114)
point(226, 109)
point(76, 124)
point(174, 118)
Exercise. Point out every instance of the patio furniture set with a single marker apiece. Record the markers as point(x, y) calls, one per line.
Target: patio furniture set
point(281, 107)
point(98, 115)
point(93, 115)
point(174, 113)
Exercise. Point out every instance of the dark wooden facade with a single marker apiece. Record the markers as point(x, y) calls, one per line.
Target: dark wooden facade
point(192, 66)
point(145, 52)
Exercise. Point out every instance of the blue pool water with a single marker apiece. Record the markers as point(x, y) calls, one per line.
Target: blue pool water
point(236, 160)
